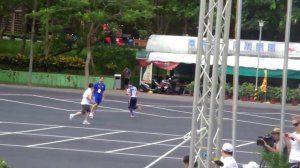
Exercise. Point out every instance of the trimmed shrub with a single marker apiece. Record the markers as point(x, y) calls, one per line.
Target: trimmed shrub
point(43, 64)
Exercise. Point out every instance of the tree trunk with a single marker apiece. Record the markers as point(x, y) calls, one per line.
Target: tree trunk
point(46, 38)
point(88, 56)
point(1, 32)
point(24, 34)
point(31, 45)
point(166, 26)
point(4, 26)
point(185, 27)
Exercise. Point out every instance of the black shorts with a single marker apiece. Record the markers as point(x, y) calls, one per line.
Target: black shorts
point(132, 103)
point(86, 108)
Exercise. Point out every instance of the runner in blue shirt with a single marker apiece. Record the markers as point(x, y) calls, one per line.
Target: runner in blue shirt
point(99, 89)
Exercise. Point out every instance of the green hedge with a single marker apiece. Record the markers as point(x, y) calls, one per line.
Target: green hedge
point(43, 64)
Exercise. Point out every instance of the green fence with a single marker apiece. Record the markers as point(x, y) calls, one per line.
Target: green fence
point(50, 80)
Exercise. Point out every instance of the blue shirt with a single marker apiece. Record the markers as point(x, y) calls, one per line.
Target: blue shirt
point(99, 89)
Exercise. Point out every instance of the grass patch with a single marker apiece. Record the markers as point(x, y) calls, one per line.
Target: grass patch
point(14, 46)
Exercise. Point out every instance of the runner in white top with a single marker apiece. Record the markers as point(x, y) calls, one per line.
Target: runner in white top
point(132, 92)
point(85, 103)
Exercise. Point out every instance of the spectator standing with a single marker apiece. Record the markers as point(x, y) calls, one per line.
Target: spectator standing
point(126, 74)
point(186, 160)
point(276, 136)
point(226, 156)
point(292, 141)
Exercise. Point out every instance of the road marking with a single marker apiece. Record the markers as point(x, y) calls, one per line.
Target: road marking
point(249, 143)
point(103, 152)
point(147, 144)
point(89, 151)
point(99, 139)
point(4, 94)
point(73, 139)
point(118, 109)
point(161, 116)
point(37, 105)
point(41, 129)
point(76, 102)
point(91, 128)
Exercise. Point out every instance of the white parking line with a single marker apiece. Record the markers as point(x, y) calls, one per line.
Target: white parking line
point(100, 139)
point(73, 139)
point(41, 129)
point(249, 143)
point(89, 151)
point(148, 144)
point(37, 105)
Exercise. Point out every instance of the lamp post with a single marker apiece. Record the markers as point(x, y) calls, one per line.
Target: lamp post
point(261, 24)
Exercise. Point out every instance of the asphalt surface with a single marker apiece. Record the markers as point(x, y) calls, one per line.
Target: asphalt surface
point(35, 130)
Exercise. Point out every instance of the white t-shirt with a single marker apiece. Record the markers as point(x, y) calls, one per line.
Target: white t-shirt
point(229, 162)
point(295, 150)
point(86, 94)
point(132, 91)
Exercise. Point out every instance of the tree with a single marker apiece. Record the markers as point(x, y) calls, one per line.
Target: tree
point(274, 13)
point(84, 19)
point(7, 7)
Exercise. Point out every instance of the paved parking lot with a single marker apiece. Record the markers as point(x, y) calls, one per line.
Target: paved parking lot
point(35, 130)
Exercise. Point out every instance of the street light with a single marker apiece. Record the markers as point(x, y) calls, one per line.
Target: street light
point(261, 24)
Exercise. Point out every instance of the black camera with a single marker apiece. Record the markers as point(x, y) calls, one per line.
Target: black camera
point(267, 138)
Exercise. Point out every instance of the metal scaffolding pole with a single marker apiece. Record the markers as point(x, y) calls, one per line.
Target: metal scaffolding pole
point(194, 135)
point(212, 109)
point(236, 72)
point(223, 77)
point(203, 145)
point(284, 75)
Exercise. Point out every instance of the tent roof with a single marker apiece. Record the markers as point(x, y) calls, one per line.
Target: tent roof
point(172, 44)
point(248, 62)
point(188, 45)
point(170, 57)
point(268, 63)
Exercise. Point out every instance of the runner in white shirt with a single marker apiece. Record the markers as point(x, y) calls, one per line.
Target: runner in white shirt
point(85, 103)
point(132, 92)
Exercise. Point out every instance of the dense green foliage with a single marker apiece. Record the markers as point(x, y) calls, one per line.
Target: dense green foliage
point(3, 164)
point(275, 160)
point(107, 59)
point(113, 59)
point(43, 64)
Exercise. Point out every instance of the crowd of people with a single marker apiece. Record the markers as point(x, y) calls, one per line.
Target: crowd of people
point(291, 149)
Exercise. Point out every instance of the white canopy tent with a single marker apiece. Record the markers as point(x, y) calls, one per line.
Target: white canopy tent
point(181, 49)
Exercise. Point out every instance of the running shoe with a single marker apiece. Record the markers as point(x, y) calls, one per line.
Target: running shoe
point(91, 115)
point(85, 122)
point(71, 116)
point(139, 108)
